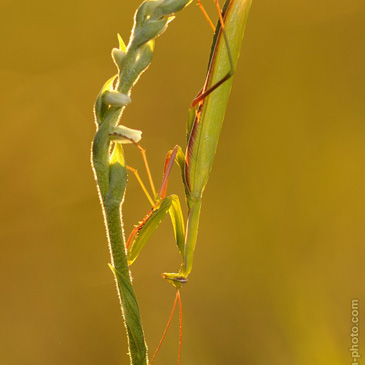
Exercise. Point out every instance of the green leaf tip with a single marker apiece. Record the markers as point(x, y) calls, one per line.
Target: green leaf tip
point(112, 268)
point(122, 45)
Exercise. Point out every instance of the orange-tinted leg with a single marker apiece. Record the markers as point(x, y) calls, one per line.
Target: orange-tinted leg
point(201, 96)
point(136, 174)
point(206, 16)
point(177, 297)
point(169, 162)
point(180, 327)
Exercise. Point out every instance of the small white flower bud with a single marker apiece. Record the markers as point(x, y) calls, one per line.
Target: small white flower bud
point(118, 56)
point(116, 99)
point(125, 135)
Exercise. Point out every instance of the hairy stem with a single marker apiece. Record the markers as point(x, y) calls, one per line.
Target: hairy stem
point(127, 296)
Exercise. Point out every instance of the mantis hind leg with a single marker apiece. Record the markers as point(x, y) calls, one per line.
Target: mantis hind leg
point(205, 92)
point(206, 16)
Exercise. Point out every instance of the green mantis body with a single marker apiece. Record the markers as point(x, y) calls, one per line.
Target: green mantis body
point(203, 129)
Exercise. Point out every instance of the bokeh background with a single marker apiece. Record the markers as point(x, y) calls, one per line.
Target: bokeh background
point(281, 248)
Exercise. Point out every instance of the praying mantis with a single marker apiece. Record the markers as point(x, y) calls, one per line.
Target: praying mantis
point(203, 128)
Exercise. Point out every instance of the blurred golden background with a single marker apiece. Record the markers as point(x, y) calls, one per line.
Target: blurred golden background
point(281, 246)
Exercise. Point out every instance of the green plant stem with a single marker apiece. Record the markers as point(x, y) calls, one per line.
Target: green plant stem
point(111, 175)
point(127, 296)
